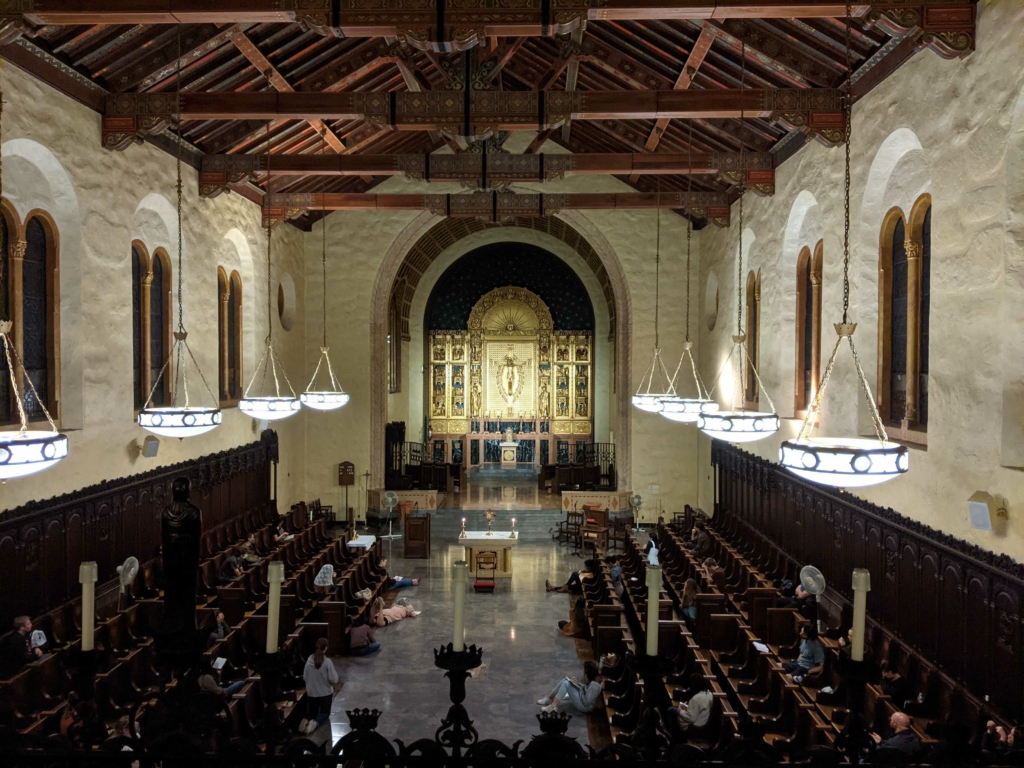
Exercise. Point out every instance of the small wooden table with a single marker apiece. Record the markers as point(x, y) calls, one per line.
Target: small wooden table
point(501, 542)
point(596, 533)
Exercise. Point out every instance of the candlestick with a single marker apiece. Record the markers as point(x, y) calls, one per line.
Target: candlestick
point(460, 570)
point(87, 574)
point(653, 590)
point(275, 576)
point(513, 534)
point(462, 535)
point(861, 587)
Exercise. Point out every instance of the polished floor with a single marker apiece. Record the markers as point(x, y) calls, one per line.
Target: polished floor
point(523, 653)
point(490, 487)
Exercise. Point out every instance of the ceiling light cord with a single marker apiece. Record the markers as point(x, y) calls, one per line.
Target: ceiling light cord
point(848, 109)
point(657, 266)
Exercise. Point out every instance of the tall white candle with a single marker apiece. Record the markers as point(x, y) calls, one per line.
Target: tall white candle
point(275, 577)
point(87, 574)
point(653, 590)
point(460, 571)
point(861, 587)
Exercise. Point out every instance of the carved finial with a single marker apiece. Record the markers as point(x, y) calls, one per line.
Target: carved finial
point(553, 723)
point(363, 719)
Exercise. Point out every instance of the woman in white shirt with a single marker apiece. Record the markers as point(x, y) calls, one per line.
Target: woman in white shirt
point(697, 711)
point(574, 697)
point(321, 678)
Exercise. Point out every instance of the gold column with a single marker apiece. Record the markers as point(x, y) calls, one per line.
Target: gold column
point(145, 302)
point(17, 299)
point(913, 324)
point(223, 343)
point(815, 332)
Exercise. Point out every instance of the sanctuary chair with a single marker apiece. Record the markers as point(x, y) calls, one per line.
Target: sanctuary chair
point(486, 565)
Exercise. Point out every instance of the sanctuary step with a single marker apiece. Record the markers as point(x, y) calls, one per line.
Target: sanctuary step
point(520, 472)
point(534, 525)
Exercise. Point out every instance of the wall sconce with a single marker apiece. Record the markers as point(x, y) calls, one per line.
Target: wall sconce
point(985, 509)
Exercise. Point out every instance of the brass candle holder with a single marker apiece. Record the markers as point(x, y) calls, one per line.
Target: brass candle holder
point(462, 535)
point(513, 534)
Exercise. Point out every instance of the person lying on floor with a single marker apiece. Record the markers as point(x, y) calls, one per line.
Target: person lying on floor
point(395, 582)
point(573, 697)
point(382, 617)
point(575, 582)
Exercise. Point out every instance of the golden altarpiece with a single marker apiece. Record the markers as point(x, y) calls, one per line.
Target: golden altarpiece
point(510, 369)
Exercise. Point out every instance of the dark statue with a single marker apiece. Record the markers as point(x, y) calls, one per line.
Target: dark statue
point(181, 529)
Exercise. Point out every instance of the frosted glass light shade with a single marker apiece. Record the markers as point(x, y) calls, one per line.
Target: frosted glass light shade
point(180, 422)
point(686, 409)
point(269, 408)
point(324, 401)
point(738, 426)
point(24, 453)
point(649, 403)
point(844, 462)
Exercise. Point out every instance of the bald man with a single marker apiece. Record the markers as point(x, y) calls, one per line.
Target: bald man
point(903, 738)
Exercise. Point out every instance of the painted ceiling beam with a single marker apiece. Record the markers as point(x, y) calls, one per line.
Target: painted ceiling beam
point(818, 111)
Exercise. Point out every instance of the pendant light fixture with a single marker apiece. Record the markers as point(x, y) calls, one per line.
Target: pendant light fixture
point(24, 451)
point(740, 425)
point(688, 409)
point(276, 406)
point(645, 399)
point(845, 462)
point(176, 420)
point(335, 397)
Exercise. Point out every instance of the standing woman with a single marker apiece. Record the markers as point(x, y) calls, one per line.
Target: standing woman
point(321, 681)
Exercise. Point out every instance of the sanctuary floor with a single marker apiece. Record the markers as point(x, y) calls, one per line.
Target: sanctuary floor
point(490, 487)
point(523, 653)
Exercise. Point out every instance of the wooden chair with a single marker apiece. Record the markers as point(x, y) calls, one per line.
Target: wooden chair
point(569, 529)
point(486, 566)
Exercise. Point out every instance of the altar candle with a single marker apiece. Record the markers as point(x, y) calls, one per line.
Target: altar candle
point(275, 576)
point(861, 587)
point(87, 574)
point(459, 572)
point(653, 589)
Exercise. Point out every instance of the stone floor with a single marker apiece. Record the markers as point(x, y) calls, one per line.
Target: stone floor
point(524, 655)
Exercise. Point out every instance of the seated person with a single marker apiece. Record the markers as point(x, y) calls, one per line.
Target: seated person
point(326, 578)
point(903, 739)
point(18, 650)
point(209, 680)
point(80, 722)
point(361, 641)
point(696, 712)
point(382, 617)
point(572, 696)
point(714, 574)
point(811, 659)
point(219, 632)
point(248, 551)
point(395, 582)
point(803, 601)
point(577, 625)
point(616, 575)
point(574, 584)
point(689, 600)
point(281, 534)
point(230, 569)
point(894, 685)
point(699, 542)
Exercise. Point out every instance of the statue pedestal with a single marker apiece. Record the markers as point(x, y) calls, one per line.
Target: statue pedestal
point(508, 454)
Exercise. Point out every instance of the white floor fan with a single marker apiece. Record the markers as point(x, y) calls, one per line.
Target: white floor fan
point(390, 500)
point(812, 580)
point(126, 573)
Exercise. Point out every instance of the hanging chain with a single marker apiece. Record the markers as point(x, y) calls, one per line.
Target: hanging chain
point(848, 109)
point(657, 265)
point(739, 256)
point(323, 229)
point(181, 312)
point(689, 227)
point(270, 317)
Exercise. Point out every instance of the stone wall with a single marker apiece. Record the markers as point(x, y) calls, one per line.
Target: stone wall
point(954, 129)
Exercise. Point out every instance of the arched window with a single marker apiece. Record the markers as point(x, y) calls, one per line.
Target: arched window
point(753, 331)
point(139, 391)
point(151, 326)
point(39, 311)
point(5, 313)
point(229, 290)
point(808, 326)
point(904, 298)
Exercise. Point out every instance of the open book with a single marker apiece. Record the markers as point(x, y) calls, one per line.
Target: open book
point(219, 662)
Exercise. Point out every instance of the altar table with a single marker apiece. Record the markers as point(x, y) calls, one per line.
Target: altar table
point(500, 542)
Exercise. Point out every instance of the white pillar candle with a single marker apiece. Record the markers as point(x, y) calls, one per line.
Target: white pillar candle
point(460, 570)
point(861, 587)
point(653, 590)
point(87, 574)
point(275, 577)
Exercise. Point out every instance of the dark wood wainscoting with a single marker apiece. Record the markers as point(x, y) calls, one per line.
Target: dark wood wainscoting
point(956, 603)
point(43, 542)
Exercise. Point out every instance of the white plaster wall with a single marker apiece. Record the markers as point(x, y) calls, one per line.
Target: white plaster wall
point(101, 201)
point(954, 129)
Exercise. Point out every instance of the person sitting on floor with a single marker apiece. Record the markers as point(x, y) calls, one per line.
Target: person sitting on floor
point(321, 680)
point(714, 574)
point(361, 641)
point(573, 697)
point(229, 569)
point(208, 682)
point(903, 739)
point(18, 650)
point(811, 659)
point(395, 582)
point(696, 712)
point(574, 584)
point(577, 625)
point(382, 617)
point(220, 630)
point(688, 600)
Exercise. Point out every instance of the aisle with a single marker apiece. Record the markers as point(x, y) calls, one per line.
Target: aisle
point(524, 654)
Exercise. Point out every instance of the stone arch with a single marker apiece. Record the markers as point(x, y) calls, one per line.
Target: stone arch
point(35, 180)
point(425, 237)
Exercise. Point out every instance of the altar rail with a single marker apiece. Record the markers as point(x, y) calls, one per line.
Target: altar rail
point(43, 542)
point(956, 603)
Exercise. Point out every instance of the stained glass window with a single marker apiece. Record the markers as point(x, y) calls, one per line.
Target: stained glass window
point(36, 318)
point(898, 326)
point(926, 268)
point(138, 386)
point(234, 306)
point(5, 271)
point(808, 335)
point(157, 331)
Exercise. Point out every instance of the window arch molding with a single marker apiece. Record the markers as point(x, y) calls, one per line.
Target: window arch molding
point(230, 314)
point(894, 218)
point(152, 322)
point(808, 325)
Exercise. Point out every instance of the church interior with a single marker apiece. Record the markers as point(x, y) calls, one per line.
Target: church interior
point(370, 369)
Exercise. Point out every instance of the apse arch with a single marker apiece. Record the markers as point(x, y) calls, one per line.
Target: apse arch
point(426, 236)
point(35, 180)
point(1012, 439)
